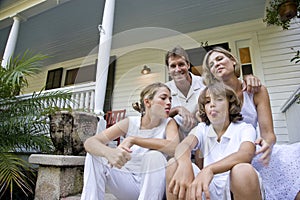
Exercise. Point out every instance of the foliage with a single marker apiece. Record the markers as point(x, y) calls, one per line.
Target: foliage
point(272, 14)
point(14, 171)
point(296, 58)
point(23, 121)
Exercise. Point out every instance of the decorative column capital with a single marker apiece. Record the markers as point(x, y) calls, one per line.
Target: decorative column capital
point(18, 17)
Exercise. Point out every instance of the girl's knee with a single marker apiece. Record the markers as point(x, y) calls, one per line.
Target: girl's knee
point(154, 160)
point(155, 156)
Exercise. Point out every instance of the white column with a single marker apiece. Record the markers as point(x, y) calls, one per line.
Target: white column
point(12, 41)
point(103, 55)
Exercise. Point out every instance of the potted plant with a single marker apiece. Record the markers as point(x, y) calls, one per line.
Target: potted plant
point(23, 124)
point(280, 12)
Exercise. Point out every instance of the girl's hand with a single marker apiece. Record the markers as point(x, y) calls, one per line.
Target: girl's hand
point(118, 157)
point(266, 150)
point(200, 184)
point(126, 144)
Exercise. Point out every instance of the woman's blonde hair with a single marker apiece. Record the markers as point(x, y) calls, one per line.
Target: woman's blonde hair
point(207, 75)
point(147, 93)
point(218, 89)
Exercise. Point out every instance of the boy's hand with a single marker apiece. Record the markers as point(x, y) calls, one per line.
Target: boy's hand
point(181, 180)
point(201, 184)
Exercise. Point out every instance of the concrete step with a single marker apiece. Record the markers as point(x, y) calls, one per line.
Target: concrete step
point(108, 196)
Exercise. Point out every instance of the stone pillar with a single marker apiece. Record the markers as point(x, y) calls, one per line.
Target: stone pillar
point(12, 41)
point(59, 176)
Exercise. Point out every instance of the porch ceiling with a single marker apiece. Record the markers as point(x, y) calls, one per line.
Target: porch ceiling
point(78, 19)
point(183, 16)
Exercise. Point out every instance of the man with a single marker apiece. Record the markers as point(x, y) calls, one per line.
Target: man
point(185, 89)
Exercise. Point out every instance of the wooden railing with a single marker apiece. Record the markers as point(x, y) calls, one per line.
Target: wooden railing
point(83, 96)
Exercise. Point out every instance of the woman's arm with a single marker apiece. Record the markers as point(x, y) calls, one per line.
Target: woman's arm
point(96, 144)
point(265, 121)
point(252, 83)
point(167, 145)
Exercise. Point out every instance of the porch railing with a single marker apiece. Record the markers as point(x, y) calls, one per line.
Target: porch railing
point(83, 96)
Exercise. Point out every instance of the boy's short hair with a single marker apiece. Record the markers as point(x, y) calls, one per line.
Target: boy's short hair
point(177, 51)
point(219, 89)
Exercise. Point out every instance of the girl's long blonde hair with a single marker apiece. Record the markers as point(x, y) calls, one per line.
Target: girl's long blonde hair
point(147, 93)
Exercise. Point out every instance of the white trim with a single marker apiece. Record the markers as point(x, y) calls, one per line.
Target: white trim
point(290, 101)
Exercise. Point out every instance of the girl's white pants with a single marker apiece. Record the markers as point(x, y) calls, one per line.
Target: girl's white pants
point(123, 184)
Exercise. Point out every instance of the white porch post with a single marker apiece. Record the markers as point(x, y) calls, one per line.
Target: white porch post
point(12, 41)
point(103, 57)
point(104, 54)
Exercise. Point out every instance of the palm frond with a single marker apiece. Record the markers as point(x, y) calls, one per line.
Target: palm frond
point(11, 173)
point(18, 67)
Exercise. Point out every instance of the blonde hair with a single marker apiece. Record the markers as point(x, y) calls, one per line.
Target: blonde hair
point(147, 93)
point(207, 75)
point(217, 88)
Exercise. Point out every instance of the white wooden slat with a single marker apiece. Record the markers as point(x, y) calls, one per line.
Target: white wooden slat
point(282, 82)
point(278, 117)
point(283, 69)
point(279, 124)
point(279, 89)
point(287, 75)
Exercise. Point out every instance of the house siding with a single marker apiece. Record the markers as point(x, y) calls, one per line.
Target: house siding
point(281, 76)
point(270, 50)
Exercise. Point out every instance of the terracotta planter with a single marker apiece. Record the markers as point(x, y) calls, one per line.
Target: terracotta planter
point(287, 10)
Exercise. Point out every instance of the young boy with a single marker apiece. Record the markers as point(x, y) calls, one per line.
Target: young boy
point(227, 146)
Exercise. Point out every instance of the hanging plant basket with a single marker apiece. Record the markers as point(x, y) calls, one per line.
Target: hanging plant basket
point(287, 10)
point(280, 12)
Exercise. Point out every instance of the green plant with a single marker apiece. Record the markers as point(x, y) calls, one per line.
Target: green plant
point(272, 13)
point(296, 58)
point(23, 121)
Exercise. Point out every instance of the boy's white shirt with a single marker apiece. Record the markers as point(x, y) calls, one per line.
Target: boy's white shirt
point(230, 142)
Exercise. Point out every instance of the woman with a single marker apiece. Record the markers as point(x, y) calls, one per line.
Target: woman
point(136, 168)
point(256, 110)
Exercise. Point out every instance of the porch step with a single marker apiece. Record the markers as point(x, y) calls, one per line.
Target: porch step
point(108, 196)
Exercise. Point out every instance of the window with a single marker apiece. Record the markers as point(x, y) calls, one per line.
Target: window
point(196, 56)
point(54, 78)
point(71, 76)
point(245, 58)
point(81, 75)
